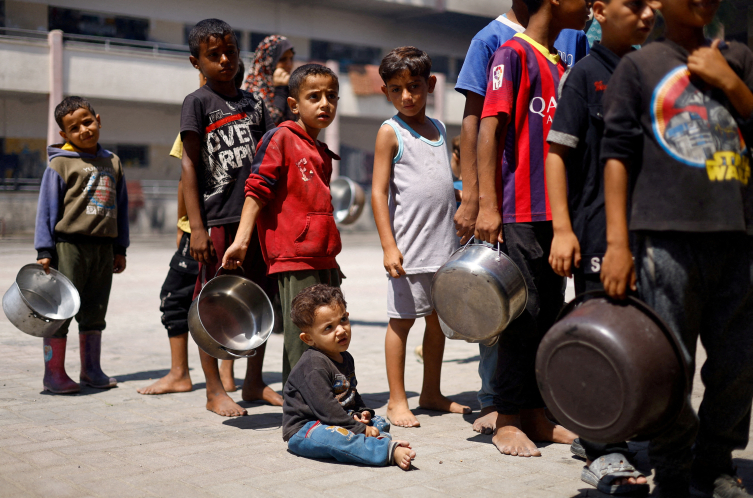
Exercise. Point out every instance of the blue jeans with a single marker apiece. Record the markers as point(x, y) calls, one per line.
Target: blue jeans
point(316, 440)
point(487, 368)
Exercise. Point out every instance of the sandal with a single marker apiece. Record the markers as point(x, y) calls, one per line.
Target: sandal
point(577, 449)
point(607, 469)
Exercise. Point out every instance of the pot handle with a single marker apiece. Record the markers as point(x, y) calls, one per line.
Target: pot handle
point(473, 237)
point(204, 274)
point(40, 317)
point(238, 355)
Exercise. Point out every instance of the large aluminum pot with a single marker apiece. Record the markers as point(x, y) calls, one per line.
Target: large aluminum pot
point(612, 370)
point(347, 200)
point(38, 303)
point(231, 317)
point(478, 292)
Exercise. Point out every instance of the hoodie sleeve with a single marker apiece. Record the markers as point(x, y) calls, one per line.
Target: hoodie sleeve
point(122, 241)
point(265, 168)
point(51, 194)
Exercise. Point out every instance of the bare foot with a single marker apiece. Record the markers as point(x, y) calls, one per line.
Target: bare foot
point(227, 375)
point(486, 421)
point(222, 404)
point(404, 454)
point(261, 392)
point(399, 414)
point(170, 383)
point(625, 480)
point(441, 403)
point(510, 439)
point(539, 428)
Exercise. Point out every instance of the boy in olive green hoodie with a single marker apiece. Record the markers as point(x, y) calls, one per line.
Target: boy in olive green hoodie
point(82, 231)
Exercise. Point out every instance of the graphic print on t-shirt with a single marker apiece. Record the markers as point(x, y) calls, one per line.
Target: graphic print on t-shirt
point(696, 130)
point(101, 192)
point(227, 142)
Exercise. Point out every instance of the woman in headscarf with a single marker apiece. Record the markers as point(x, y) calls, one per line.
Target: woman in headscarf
point(269, 75)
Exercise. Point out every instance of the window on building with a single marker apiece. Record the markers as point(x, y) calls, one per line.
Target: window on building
point(82, 22)
point(256, 39)
point(344, 53)
point(131, 156)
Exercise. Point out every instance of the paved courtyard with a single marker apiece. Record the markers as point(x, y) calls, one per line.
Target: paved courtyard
point(121, 443)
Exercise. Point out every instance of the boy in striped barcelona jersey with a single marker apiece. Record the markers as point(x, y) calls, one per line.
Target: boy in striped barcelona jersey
point(521, 97)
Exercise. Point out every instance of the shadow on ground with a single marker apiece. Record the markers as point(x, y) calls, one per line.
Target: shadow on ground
point(256, 421)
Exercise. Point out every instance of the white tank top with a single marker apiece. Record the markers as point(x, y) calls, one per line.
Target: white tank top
point(422, 199)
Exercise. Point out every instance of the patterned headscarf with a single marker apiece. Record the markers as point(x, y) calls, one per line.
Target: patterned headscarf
point(259, 79)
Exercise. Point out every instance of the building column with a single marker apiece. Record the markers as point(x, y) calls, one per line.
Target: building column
point(55, 40)
point(332, 132)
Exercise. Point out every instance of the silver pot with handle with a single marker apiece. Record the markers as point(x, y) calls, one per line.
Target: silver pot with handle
point(478, 292)
point(348, 200)
point(38, 303)
point(231, 317)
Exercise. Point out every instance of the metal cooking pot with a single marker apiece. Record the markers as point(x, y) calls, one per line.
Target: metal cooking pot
point(478, 292)
point(451, 334)
point(231, 317)
point(347, 200)
point(613, 370)
point(38, 303)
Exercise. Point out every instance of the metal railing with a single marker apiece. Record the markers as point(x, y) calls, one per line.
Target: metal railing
point(107, 44)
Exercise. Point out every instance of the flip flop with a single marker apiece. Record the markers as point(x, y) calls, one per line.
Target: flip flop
point(607, 469)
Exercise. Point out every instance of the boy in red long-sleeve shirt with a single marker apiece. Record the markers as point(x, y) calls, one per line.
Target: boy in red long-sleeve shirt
point(287, 196)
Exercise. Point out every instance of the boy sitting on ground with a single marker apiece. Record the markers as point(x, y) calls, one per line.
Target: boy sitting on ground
point(82, 231)
point(678, 118)
point(576, 195)
point(413, 200)
point(288, 197)
point(323, 415)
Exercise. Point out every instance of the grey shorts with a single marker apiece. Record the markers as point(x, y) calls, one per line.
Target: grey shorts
point(410, 296)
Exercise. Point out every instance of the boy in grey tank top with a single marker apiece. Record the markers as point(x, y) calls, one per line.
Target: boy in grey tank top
point(414, 203)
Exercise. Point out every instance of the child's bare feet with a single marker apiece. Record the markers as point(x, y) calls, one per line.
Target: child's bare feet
point(441, 403)
point(170, 383)
point(227, 375)
point(260, 392)
point(539, 428)
point(486, 421)
point(400, 415)
point(510, 439)
point(222, 404)
point(404, 454)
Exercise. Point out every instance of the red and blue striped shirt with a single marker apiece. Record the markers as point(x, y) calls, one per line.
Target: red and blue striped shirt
point(522, 82)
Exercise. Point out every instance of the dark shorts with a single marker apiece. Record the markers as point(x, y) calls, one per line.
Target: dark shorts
point(89, 267)
point(177, 291)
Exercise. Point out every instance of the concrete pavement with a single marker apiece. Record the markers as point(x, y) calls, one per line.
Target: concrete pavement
point(121, 443)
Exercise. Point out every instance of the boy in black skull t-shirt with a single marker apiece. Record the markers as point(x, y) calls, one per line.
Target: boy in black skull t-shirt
point(220, 127)
point(678, 124)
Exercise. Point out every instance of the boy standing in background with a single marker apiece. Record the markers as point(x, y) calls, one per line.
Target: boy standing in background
point(575, 185)
point(678, 128)
point(413, 200)
point(514, 209)
point(572, 46)
point(220, 127)
point(82, 231)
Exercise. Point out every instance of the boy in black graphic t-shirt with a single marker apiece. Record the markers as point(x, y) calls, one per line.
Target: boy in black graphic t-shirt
point(220, 127)
point(678, 127)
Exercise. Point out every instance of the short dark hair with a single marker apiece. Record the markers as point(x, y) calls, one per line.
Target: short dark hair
point(239, 76)
point(300, 74)
point(410, 59)
point(206, 29)
point(69, 105)
point(310, 299)
point(533, 6)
